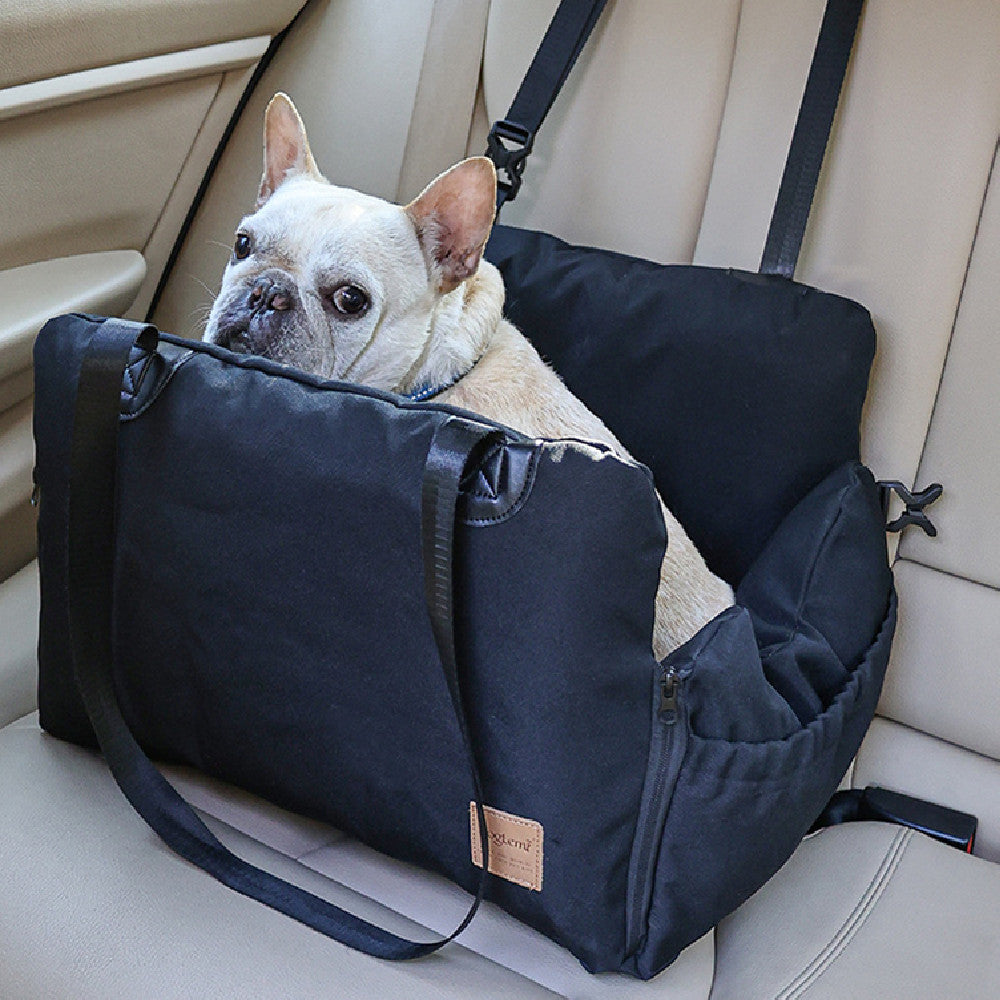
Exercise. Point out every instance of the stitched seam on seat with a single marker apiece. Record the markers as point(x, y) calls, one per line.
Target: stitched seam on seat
point(985, 757)
point(335, 839)
point(335, 836)
point(854, 922)
point(947, 572)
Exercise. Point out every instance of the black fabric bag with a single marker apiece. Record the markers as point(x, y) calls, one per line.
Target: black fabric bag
point(251, 592)
point(435, 634)
point(754, 383)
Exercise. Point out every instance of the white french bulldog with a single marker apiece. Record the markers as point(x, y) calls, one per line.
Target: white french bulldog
point(353, 288)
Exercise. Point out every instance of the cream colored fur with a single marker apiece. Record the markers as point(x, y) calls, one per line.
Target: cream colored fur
point(435, 314)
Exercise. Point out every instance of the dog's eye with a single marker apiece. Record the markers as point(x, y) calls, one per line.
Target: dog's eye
point(242, 246)
point(349, 300)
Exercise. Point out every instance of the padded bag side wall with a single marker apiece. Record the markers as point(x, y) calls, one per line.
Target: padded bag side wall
point(777, 695)
point(752, 385)
point(271, 630)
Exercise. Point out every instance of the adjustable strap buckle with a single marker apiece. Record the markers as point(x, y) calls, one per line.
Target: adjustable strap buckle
point(915, 502)
point(508, 146)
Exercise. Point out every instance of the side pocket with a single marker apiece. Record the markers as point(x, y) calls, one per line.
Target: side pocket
point(738, 809)
point(667, 743)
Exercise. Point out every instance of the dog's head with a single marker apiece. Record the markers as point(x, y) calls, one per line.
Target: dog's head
point(340, 283)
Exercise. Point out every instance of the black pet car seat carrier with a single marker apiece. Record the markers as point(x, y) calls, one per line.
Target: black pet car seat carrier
point(434, 633)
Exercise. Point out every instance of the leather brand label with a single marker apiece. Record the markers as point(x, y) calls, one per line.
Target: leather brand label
point(515, 846)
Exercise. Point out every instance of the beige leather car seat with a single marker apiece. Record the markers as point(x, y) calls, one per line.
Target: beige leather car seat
point(667, 142)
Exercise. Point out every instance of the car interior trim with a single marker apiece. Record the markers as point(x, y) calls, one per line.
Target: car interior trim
point(119, 78)
point(92, 282)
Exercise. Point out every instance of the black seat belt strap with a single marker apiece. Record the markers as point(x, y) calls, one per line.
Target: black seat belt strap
point(91, 534)
point(511, 139)
point(810, 137)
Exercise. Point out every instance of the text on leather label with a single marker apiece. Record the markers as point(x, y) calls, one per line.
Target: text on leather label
point(515, 846)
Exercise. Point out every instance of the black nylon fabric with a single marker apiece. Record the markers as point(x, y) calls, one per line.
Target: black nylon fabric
point(92, 514)
point(806, 647)
point(751, 385)
point(270, 629)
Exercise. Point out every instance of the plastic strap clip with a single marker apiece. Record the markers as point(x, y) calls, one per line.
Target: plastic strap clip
point(508, 146)
point(915, 502)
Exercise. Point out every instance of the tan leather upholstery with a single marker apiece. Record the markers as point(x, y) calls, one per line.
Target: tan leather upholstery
point(33, 293)
point(95, 909)
point(101, 282)
point(901, 189)
point(963, 447)
point(19, 628)
point(943, 680)
point(160, 240)
point(445, 94)
point(668, 142)
point(624, 158)
point(109, 113)
point(51, 37)
point(17, 450)
point(110, 191)
point(866, 910)
point(87, 881)
point(899, 757)
point(18, 532)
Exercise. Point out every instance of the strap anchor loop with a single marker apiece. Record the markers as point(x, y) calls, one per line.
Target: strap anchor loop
point(508, 146)
point(915, 501)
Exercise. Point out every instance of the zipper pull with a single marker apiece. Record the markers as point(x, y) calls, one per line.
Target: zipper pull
point(669, 682)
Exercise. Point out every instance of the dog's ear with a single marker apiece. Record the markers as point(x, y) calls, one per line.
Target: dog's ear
point(286, 148)
point(453, 217)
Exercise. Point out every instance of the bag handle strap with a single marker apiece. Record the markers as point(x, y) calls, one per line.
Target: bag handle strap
point(91, 532)
point(511, 139)
point(810, 137)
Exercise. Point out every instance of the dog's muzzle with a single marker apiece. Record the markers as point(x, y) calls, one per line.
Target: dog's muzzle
point(269, 295)
point(256, 319)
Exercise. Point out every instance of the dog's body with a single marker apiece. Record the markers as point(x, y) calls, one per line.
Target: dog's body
point(352, 287)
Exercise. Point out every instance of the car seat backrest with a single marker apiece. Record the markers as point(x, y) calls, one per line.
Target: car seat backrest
point(944, 680)
point(669, 142)
point(625, 156)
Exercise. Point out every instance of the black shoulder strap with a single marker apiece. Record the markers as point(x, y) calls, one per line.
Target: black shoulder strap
point(511, 139)
point(91, 536)
point(810, 138)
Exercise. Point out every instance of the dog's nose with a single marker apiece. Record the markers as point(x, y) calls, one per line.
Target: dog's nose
point(269, 295)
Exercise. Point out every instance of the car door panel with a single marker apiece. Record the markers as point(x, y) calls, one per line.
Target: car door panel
point(109, 114)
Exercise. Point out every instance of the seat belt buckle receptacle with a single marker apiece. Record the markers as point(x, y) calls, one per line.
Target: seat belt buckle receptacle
point(950, 826)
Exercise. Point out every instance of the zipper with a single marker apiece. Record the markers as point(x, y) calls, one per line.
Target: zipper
point(666, 752)
point(670, 681)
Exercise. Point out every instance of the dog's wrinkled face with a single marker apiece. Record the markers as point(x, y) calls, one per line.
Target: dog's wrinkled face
point(340, 283)
point(314, 273)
